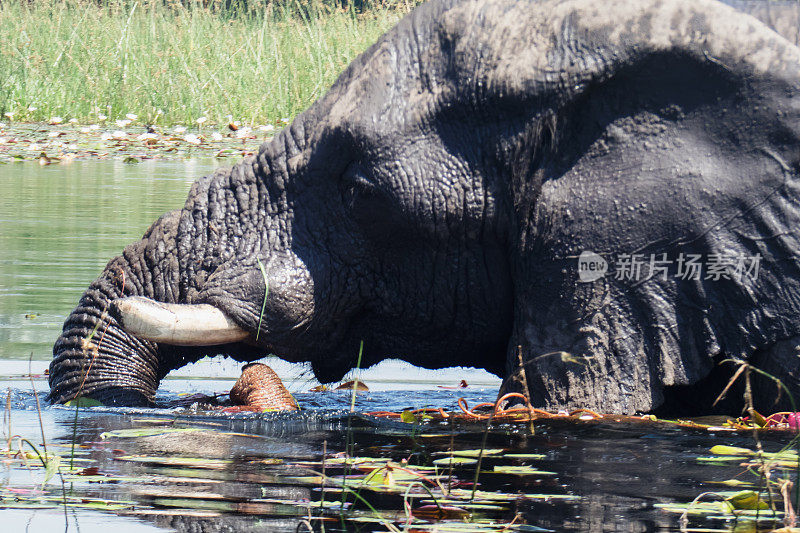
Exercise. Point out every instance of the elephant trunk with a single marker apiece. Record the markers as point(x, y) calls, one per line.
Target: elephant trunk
point(95, 356)
point(177, 295)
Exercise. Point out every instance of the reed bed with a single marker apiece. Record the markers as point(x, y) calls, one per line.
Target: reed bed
point(177, 63)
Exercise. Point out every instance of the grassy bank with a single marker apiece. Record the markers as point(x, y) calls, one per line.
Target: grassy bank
point(172, 64)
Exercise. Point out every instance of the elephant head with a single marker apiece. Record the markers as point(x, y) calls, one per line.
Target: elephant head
point(433, 204)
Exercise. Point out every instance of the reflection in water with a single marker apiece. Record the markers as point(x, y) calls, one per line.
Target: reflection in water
point(190, 471)
point(59, 226)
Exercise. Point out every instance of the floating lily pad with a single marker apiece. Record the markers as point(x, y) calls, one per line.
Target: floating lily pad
point(721, 449)
point(84, 402)
point(524, 455)
point(194, 462)
point(730, 483)
point(721, 459)
point(473, 453)
point(466, 504)
point(144, 432)
point(745, 499)
point(455, 461)
point(189, 503)
point(439, 512)
point(521, 470)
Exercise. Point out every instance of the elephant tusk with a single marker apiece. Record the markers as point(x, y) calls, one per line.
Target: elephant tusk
point(179, 324)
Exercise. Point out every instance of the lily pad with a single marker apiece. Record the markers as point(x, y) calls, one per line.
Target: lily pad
point(143, 432)
point(82, 401)
point(474, 453)
point(194, 462)
point(455, 461)
point(521, 470)
point(721, 449)
point(745, 499)
point(524, 455)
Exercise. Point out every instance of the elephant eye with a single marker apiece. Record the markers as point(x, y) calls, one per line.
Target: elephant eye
point(371, 208)
point(356, 187)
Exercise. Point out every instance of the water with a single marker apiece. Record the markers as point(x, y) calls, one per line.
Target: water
point(59, 225)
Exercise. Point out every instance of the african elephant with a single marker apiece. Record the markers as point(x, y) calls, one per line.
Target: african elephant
point(493, 182)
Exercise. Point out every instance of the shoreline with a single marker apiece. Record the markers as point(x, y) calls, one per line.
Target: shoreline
point(47, 144)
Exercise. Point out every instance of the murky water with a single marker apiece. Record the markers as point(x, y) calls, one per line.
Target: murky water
point(189, 470)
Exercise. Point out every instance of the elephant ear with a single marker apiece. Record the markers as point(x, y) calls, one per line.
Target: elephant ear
point(659, 225)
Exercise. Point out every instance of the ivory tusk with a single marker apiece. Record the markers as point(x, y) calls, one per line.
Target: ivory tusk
point(179, 324)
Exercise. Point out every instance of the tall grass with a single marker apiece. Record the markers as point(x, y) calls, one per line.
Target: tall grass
point(171, 62)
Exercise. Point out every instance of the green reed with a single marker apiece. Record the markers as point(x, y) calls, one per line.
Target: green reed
point(172, 63)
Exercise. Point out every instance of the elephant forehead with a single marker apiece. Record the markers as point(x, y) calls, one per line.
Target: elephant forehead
point(555, 37)
point(505, 47)
point(721, 32)
point(375, 98)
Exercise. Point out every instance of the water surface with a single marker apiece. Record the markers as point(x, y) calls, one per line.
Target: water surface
point(61, 224)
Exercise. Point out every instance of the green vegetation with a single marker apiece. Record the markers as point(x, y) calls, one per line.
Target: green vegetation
point(173, 63)
point(764, 494)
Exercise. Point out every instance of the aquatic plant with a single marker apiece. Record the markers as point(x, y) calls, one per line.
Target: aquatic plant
point(162, 62)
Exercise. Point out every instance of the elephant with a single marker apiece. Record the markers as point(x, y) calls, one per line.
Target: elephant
point(597, 201)
point(783, 16)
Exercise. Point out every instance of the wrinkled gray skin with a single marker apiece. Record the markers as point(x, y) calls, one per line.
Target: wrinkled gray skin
point(783, 16)
point(434, 202)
